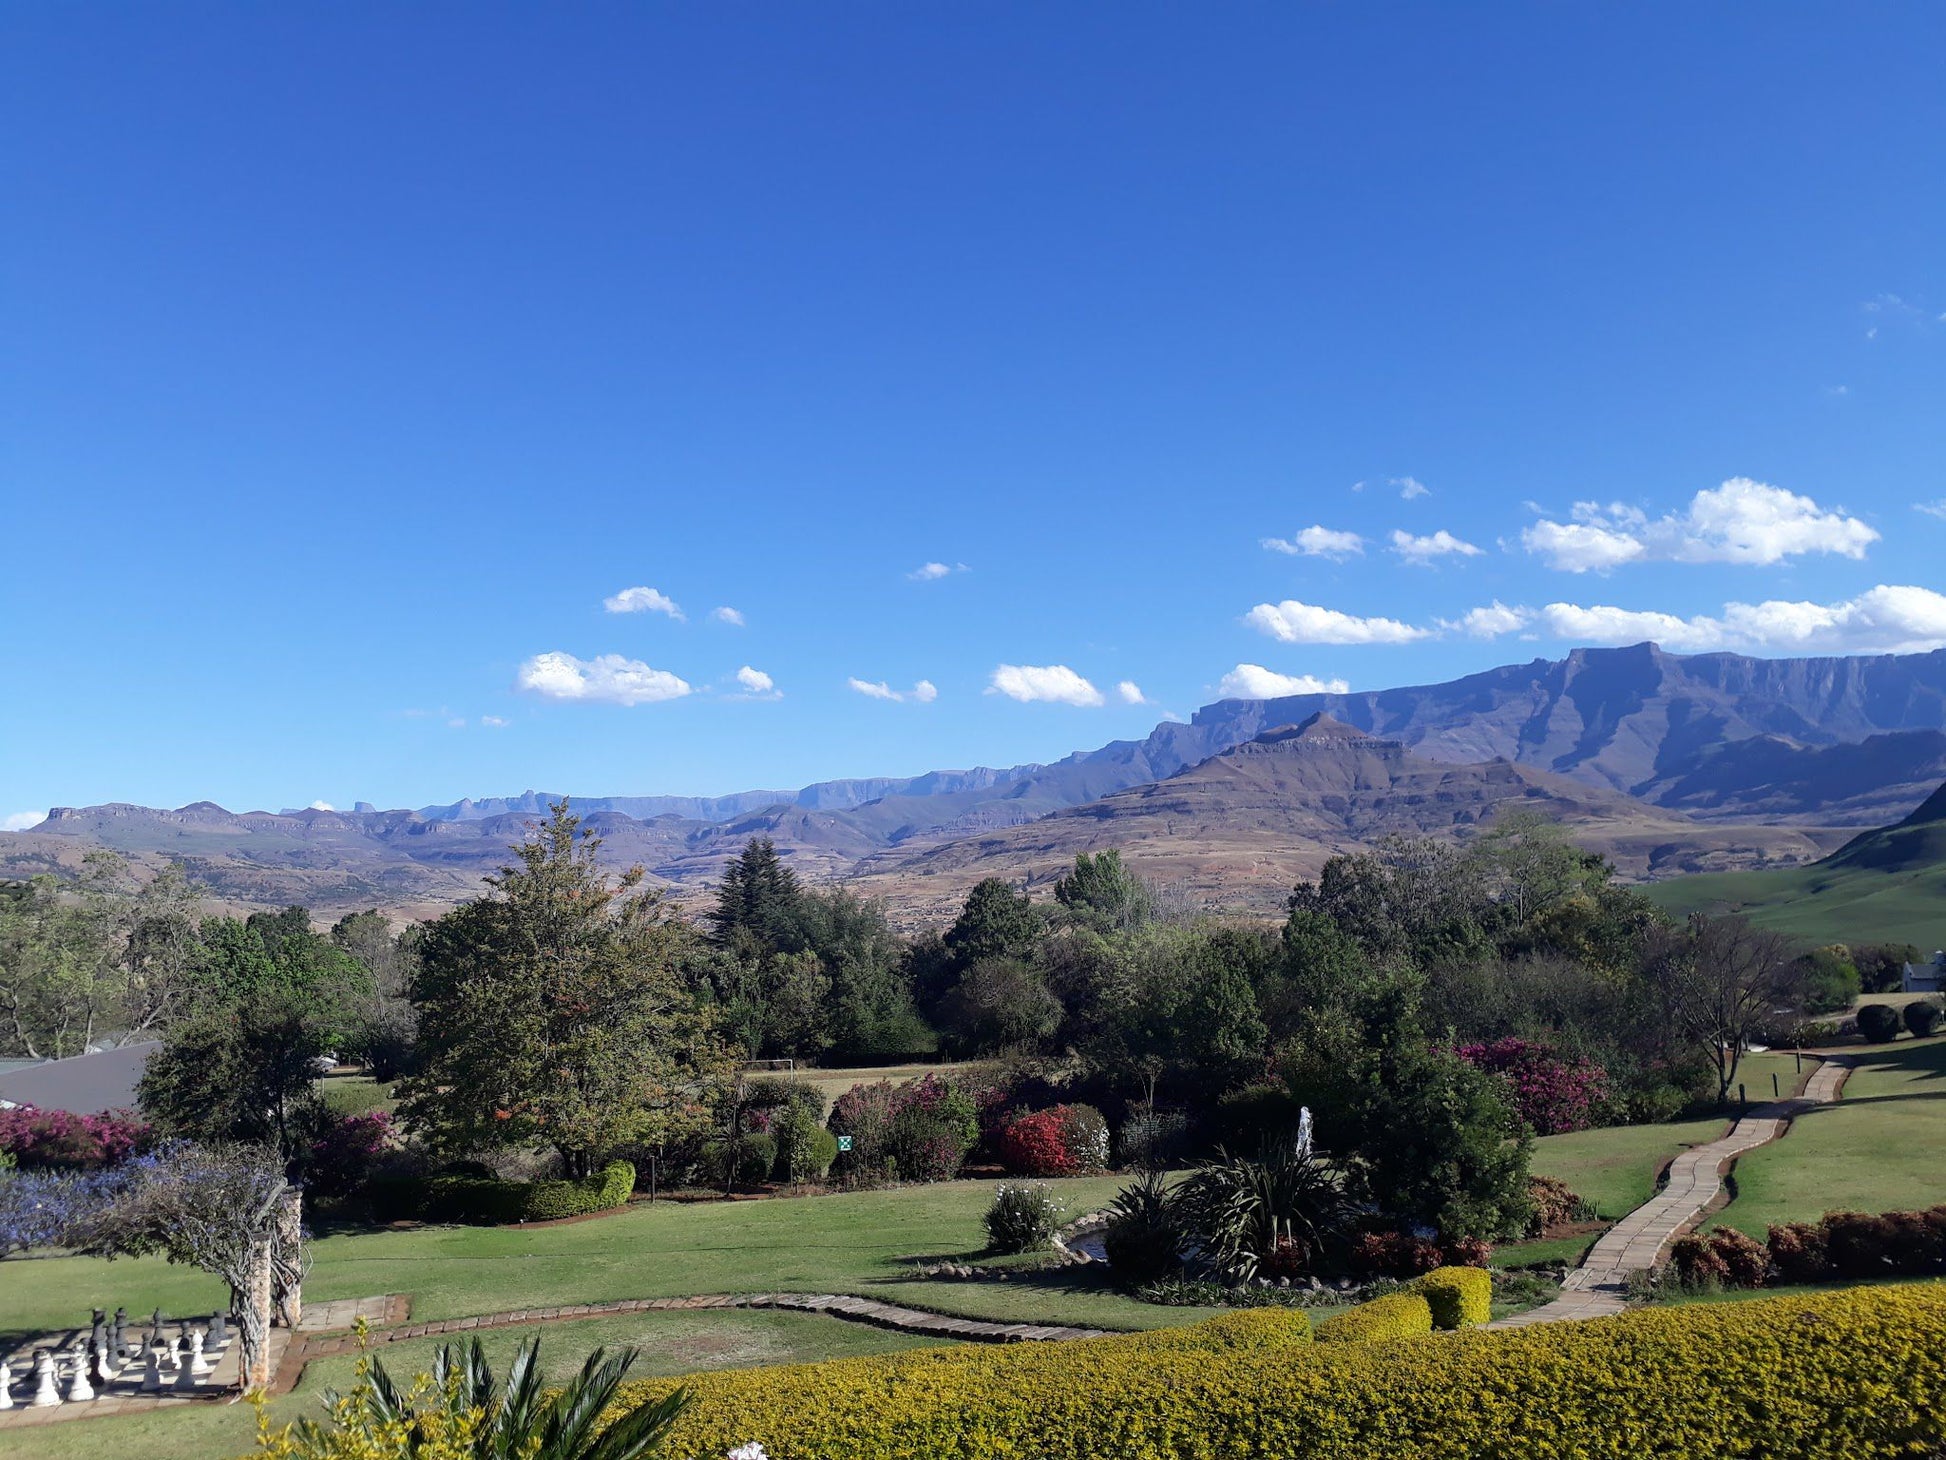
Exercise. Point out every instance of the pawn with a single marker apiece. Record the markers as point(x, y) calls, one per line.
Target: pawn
point(175, 1351)
point(118, 1330)
point(79, 1389)
point(6, 1384)
point(152, 1371)
point(198, 1359)
point(219, 1332)
point(107, 1363)
point(46, 1394)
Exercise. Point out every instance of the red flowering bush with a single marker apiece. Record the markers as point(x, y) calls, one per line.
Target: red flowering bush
point(58, 1140)
point(1058, 1142)
point(346, 1152)
point(1394, 1254)
point(1552, 1093)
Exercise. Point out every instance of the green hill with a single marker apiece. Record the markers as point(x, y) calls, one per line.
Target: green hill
point(1886, 886)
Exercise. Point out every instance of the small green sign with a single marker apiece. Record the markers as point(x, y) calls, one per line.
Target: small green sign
point(844, 1144)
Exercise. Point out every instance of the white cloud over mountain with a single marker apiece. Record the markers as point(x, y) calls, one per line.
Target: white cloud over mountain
point(1254, 682)
point(642, 600)
point(1054, 684)
point(1317, 542)
point(605, 679)
point(1131, 693)
point(1888, 619)
point(1742, 521)
point(21, 820)
point(1423, 550)
point(1291, 622)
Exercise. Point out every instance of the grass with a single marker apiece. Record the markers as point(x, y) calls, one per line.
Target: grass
point(1821, 903)
point(1615, 1167)
point(833, 1083)
point(667, 1343)
point(854, 1243)
point(1877, 1149)
point(356, 1094)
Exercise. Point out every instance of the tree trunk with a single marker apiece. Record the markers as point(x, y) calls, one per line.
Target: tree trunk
point(252, 1309)
point(287, 1261)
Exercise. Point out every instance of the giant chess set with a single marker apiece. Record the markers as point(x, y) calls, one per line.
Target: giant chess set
point(111, 1359)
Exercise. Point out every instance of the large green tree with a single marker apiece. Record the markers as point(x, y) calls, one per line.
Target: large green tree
point(552, 1012)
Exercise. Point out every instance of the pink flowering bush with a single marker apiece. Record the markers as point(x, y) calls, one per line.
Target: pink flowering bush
point(57, 1140)
point(346, 1152)
point(1552, 1093)
point(918, 1131)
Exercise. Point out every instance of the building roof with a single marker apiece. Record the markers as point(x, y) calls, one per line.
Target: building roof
point(83, 1085)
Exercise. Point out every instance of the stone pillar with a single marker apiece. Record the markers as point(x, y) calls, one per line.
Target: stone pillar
point(253, 1324)
point(289, 1260)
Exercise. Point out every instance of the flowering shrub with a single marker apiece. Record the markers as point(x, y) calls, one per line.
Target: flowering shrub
point(918, 1131)
point(1023, 1218)
point(1393, 1254)
point(1554, 1202)
point(57, 1140)
point(1552, 1093)
point(346, 1152)
point(1059, 1142)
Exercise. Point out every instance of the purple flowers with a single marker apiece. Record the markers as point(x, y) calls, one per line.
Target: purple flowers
point(1552, 1093)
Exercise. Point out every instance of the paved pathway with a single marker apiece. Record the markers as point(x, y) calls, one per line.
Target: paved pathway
point(1635, 1244)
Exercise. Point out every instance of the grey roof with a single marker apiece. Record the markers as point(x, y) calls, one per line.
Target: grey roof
point(85, 1084)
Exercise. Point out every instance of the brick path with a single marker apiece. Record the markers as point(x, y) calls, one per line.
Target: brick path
point(1635, 1244)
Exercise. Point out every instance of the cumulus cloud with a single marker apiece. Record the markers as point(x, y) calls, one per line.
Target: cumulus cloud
point(757, 685)
point(1254, 682)
point(1422, 550)
point(1489, 622)
point(727, 615)
point(1053, 684)
point(322, 806)
point(1317, 542)
point(1292, 622)
point(1888, 619)
point(930, 572)
point(1742, 521)
point(642, 600)
point(1131, 693)
point(605, 679)
point(1411, 487)
point(495, 722)
point(921, 693)
point(21, 820)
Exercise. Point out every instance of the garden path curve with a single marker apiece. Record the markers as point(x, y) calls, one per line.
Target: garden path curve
point(1635, 1244)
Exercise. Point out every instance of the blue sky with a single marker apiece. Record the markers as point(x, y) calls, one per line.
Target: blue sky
point(353, 357)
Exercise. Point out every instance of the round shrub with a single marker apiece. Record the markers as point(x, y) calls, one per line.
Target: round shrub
point(1063, 1141)
point(1553, 1203)
point(1923, 1017)
point(1023, 1217)
point(1878, 1023)
point(1797, 1252)
point(1252, 1114)
point(1551, 1093)
point(747, 1163)
point(805, 1149)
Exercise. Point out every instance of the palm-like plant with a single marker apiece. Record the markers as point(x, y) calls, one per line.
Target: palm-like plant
point(460, 1409)
point(1143, 1238)
point(1243, 1210)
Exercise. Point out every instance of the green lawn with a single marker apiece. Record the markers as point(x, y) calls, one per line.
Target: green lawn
point(668, 1343)
point(1879, 1148)
point(1821, 903)
point(356, 1094)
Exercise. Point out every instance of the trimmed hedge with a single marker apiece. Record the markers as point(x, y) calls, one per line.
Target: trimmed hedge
point(1396, 1315)
point(478, 1201)
point(1460, 1297)
point(1859, 1374)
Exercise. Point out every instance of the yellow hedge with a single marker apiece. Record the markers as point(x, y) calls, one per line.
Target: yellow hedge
point(1251, 1328)
point(1397, 1315)
point(1460, 1297)
point(1858, 1375)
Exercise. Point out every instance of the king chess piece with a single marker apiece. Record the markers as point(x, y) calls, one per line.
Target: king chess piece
point(199, 1355)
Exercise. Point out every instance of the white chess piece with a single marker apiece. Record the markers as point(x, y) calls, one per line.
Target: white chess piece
point(106, 1369)
point(152, 1371)
point(175, 1350)
point(198, 1360)
point(6, 1385)
point(79, 1389)
point(45, 1394)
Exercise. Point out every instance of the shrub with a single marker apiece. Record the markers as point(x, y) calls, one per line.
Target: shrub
point(1857, 1374)
point(1396, 1315)
point(1142, 1239)
point(1878, 1023)
point(920, 1130)
point(1797, 1252)
point(865, 1112)
point(1459, 1297)
point(1023, 1217)
point(1063, 1141)
point(1250, 1328)
point(1393, 1254)
point(1241, 1210)
point(1746, 1261)
point(805, 1149)
point(486, 1201)
point(1857, 1245)
point(1551, 1093)
point(1697, 1263)
point(346, 1153)
point(1255, 1114)
point(747, 1162)
point(1085, 1134)
point(1922, 1017)
point(57, 1140)
point(1152, 1138)
point(1554, 1202)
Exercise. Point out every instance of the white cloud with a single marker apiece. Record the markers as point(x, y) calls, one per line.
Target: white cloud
point(1934, 508)
point(757, 685)
point(643, 600)
point(1742, 521)
point(495, 722)
point(1054, 684)
point(727, 615)
point(606, 679)
point(1883, 620)
point(322, 806)
point(458, 722)
point(1254, 682)
point(1411, 487)
point(1422, 550)
point(1131, 693)
point(1292, 622)
point(21, 820)
point(922, 693)
point(1489, 622)
point(1317, 542)
point(929, 572)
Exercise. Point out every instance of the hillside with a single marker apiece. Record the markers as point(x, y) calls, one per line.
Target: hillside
point(1241, 827)
point(1886, 886)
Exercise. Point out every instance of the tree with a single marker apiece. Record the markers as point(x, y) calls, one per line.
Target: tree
point(1102, 894)
point(758, 901)
point(1722, 981)
point(551, 1011)
point(997, 922)
point(1001, 1004)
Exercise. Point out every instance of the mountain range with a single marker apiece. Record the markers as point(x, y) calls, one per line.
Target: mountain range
point(1668, 762)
